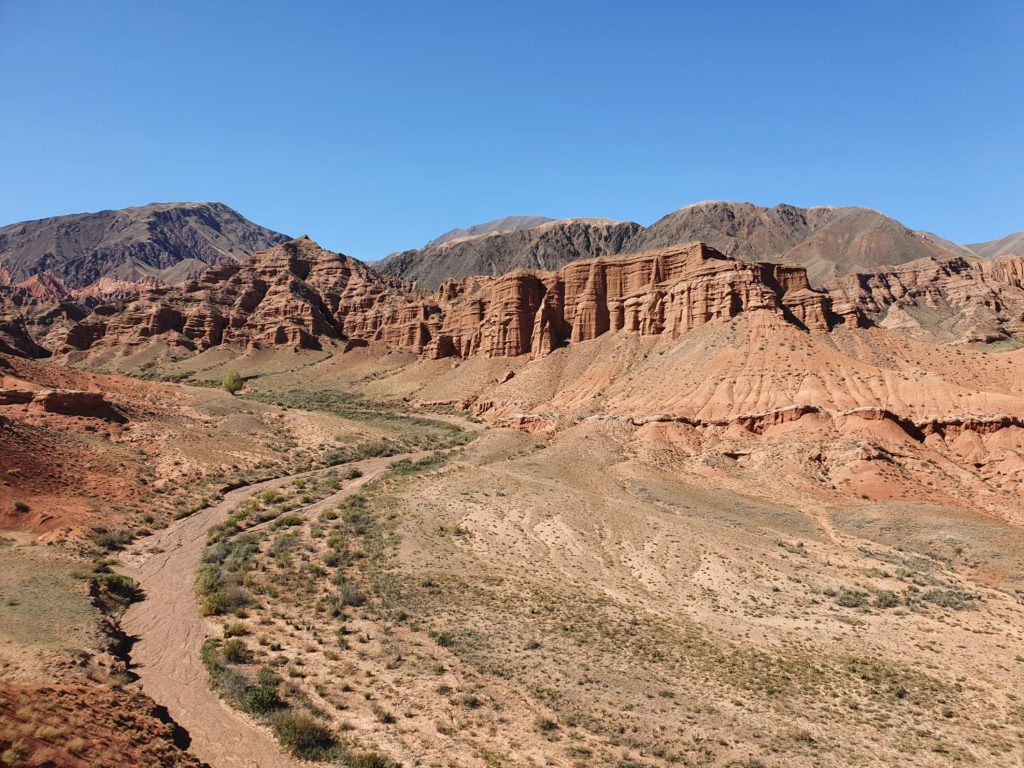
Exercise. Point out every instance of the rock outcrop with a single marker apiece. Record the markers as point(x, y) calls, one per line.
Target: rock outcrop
point(667, 292)
point(73, 402)
point(299, 295)
point(941, 301)
point(294, 295)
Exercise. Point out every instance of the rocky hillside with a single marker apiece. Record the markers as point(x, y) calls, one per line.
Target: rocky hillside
point(547, 246)
point(1012, 244)
point(301, 296)
point(296, 295)
point(163, 241)
point(504, 224)
point(827, 241)
point(683, 344)
point(952, 301)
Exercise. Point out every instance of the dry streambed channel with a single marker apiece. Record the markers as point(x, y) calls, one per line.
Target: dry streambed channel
point(168, 631)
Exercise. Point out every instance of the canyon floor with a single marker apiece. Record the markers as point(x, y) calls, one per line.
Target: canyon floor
point(579, 594)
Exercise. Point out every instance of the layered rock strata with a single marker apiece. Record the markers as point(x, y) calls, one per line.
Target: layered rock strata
point(299, 295)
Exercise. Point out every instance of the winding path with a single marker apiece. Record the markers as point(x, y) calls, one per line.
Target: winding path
point(169, 631)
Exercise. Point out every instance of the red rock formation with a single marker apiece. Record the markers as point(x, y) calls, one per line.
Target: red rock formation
point(114, 289)
point(298, 294)
point(44, 285)
point(72, 402)
point(952, 301)
point(668, 292)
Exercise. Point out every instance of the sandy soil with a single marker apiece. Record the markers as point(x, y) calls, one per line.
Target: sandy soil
point(170, 632)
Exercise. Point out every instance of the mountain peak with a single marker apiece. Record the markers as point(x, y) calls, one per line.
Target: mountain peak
point(164, 241)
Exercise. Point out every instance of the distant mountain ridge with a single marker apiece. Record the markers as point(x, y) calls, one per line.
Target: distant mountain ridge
point(1011, 245)
point(546, 247)
point(828, 241)
point(504, 224)
point(168, 242)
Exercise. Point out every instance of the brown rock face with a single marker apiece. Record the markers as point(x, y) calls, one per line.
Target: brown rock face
point(293, 295)
point(670, 292)
point(298, 295)
point(951, 301)
point(71, 402)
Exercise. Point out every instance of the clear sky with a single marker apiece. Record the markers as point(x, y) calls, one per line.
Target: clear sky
point(374, 126)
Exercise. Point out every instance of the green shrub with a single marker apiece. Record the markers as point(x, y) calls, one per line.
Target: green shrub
point(224, 601)
point(850, 598)
point(350, 594)
point(331, 558)
point(262, 699)
point(955, 599)
point(208, 580)
point(370, 760)
point(886, 599)
point(123, 588)
point(236, 652)
point(546, 724)
point(20, 506)
point(235, 629)
point(304, 736)
point(232, 382)
point(111, 541)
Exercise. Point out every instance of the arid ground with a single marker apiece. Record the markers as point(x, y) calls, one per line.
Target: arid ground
point(578, 596)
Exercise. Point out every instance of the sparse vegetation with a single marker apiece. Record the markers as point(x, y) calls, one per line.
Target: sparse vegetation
point(232, 382)
point(305, 736)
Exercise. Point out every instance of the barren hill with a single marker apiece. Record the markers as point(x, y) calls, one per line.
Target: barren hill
point(827, 241)
point(504, 224)
point(1011, 244)
point(546, 246)
point(681, 335)
point(704, 478)
point(165, 241)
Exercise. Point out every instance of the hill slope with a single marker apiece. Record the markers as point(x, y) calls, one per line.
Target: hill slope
point(827, 241)
point(1004, 246)
point(165, 241)
point(547, 246)
point(504, 224)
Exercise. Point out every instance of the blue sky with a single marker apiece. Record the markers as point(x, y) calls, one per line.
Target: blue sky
point(374, 126)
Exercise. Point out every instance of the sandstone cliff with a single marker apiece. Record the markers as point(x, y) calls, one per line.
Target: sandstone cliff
point(299, 295)
point(950, 301)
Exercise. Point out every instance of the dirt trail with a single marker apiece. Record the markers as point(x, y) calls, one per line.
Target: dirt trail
point(170, 631)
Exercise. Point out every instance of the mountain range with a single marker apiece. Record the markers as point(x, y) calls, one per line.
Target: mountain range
point(828, 241)
point(694, 432)
point(172, 242)
point(167, 242)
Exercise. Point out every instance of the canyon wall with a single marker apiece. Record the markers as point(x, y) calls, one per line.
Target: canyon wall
point(299, 295)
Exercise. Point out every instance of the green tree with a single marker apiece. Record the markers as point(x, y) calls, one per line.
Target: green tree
point(232, 382)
